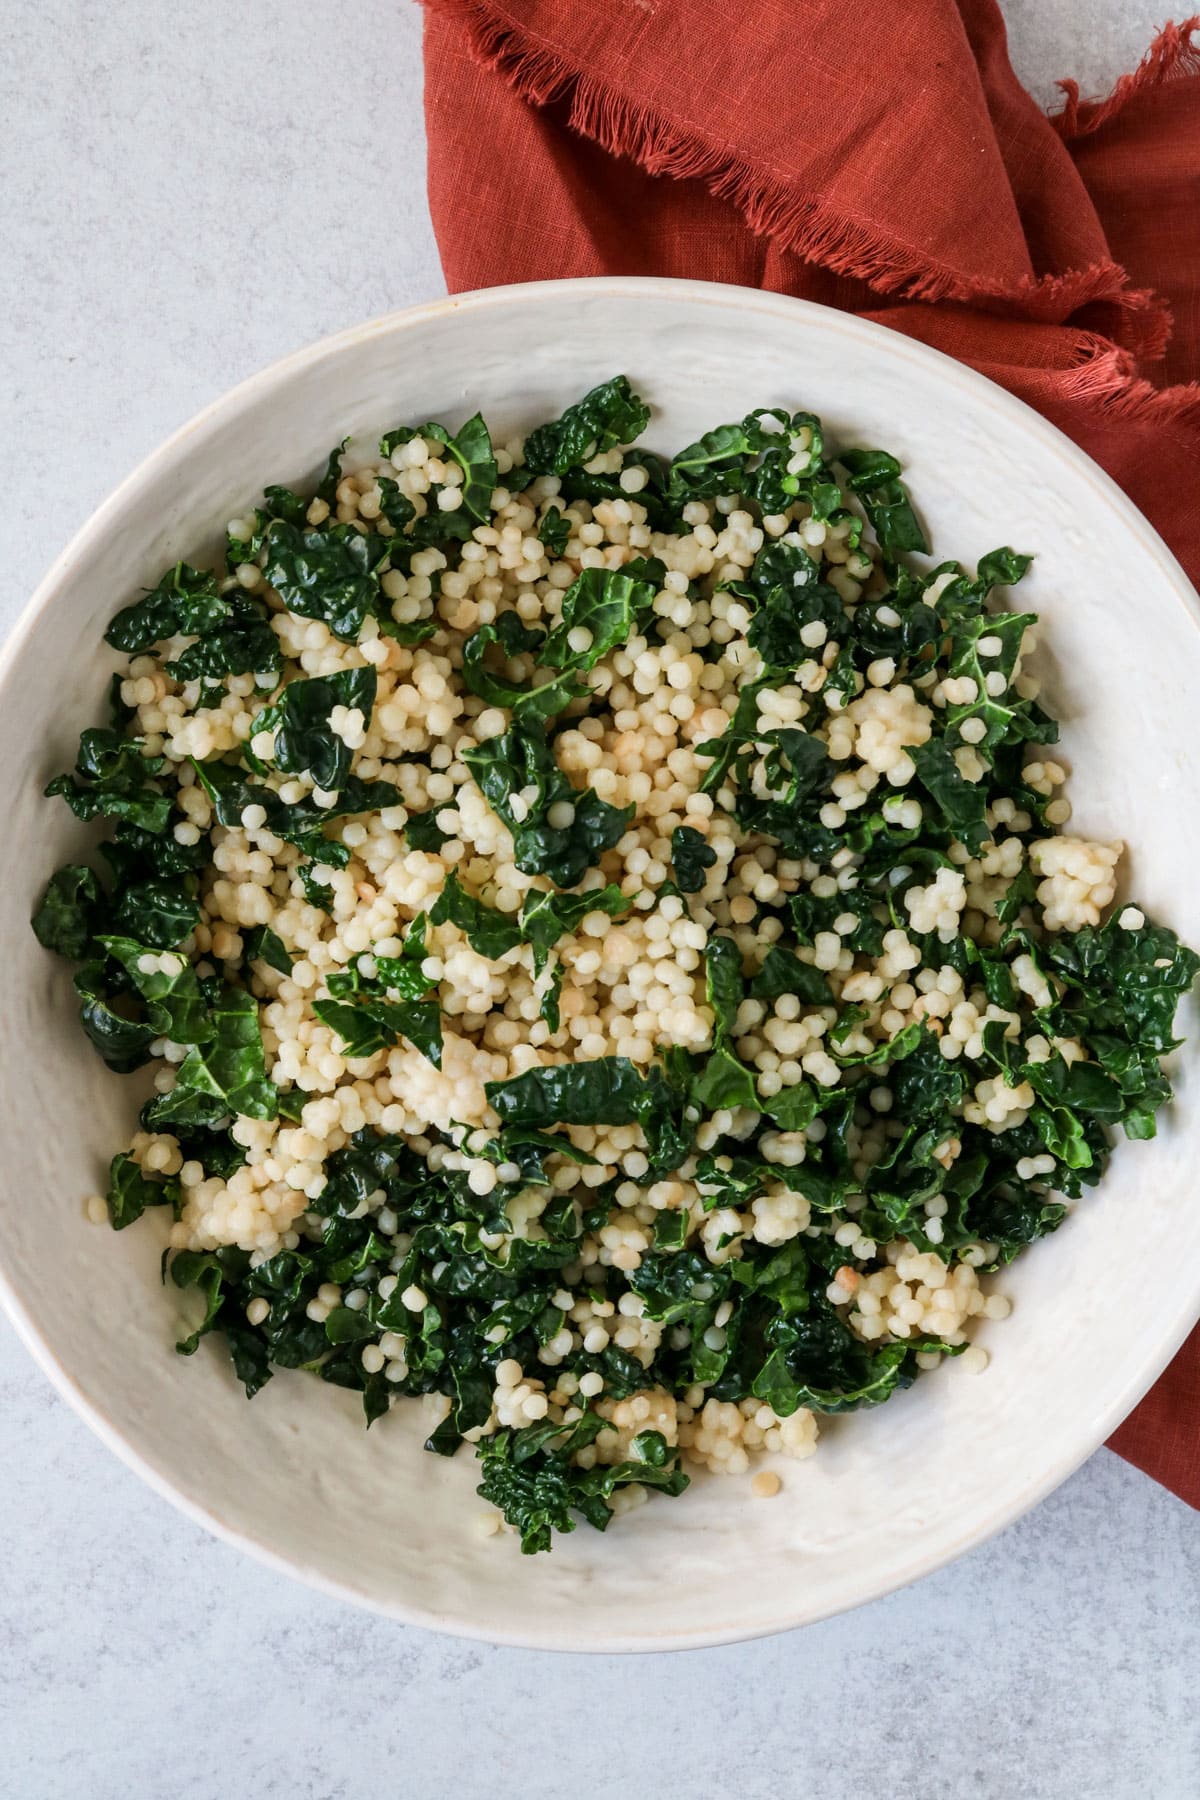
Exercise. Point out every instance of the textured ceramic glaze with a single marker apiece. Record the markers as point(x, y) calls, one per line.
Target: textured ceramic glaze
point(891, 1494)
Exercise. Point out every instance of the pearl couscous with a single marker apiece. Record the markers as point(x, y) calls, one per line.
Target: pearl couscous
point(607, 945)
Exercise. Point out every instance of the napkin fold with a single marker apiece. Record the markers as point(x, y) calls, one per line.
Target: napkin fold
point(881, 159)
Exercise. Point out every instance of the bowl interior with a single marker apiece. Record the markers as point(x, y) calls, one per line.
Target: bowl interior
point(1098, 1308)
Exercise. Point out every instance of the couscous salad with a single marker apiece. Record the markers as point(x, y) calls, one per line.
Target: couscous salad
point(609, 945)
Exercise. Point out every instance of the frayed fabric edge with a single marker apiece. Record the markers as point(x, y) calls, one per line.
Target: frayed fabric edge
point(804, 224)
point(1172, 56)
point(1106, 378)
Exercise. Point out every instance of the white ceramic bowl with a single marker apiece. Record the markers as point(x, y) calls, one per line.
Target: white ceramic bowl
point(891, 1494)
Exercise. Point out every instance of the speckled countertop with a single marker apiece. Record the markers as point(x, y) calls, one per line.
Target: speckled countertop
point(190, 193)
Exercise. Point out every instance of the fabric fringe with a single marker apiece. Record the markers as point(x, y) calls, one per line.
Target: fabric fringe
point(800, 223)
point(1144, 326)
point(1106, 377)
point(1172, 55)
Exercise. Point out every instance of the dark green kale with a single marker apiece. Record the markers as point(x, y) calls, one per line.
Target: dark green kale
point(395, 507)
point(471, 449)
point(875, 477)
point(520, 759)
point(691, 855)
point(69, 912)
point(262, 944)
point(114, 780)
point(175, 1005)
point(131, 1191)
point(527, 1150)
point(961, 804)
point(305, 741)
point(110, 1018)
point(723, 1080)
point(157, 912)
point(1122, 982)
point(232, 791)
point(764, 457)
point(663, 510)
point(528, 704)
point(547, 917)
point(368, 1025)
point(788, 470)
point(371, 1163)
point(386, 977)
point(786, 595)
point(611, 1090)
point(232, 630)
point(424, 833)
point(246, 647)
point(609, 604)
point(528, 1475)
point(186, 603)
point(554, 531)
point(714, 463)
point(217, 1152)
point(224, 1074)
point(489, 931)
point(610, 414)
point(133, 854)
point(331, 575)
point(782, 972)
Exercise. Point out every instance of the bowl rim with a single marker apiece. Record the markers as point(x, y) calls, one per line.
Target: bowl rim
point(174, 448)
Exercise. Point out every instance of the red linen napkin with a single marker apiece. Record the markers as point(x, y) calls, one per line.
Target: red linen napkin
point(883, 159)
